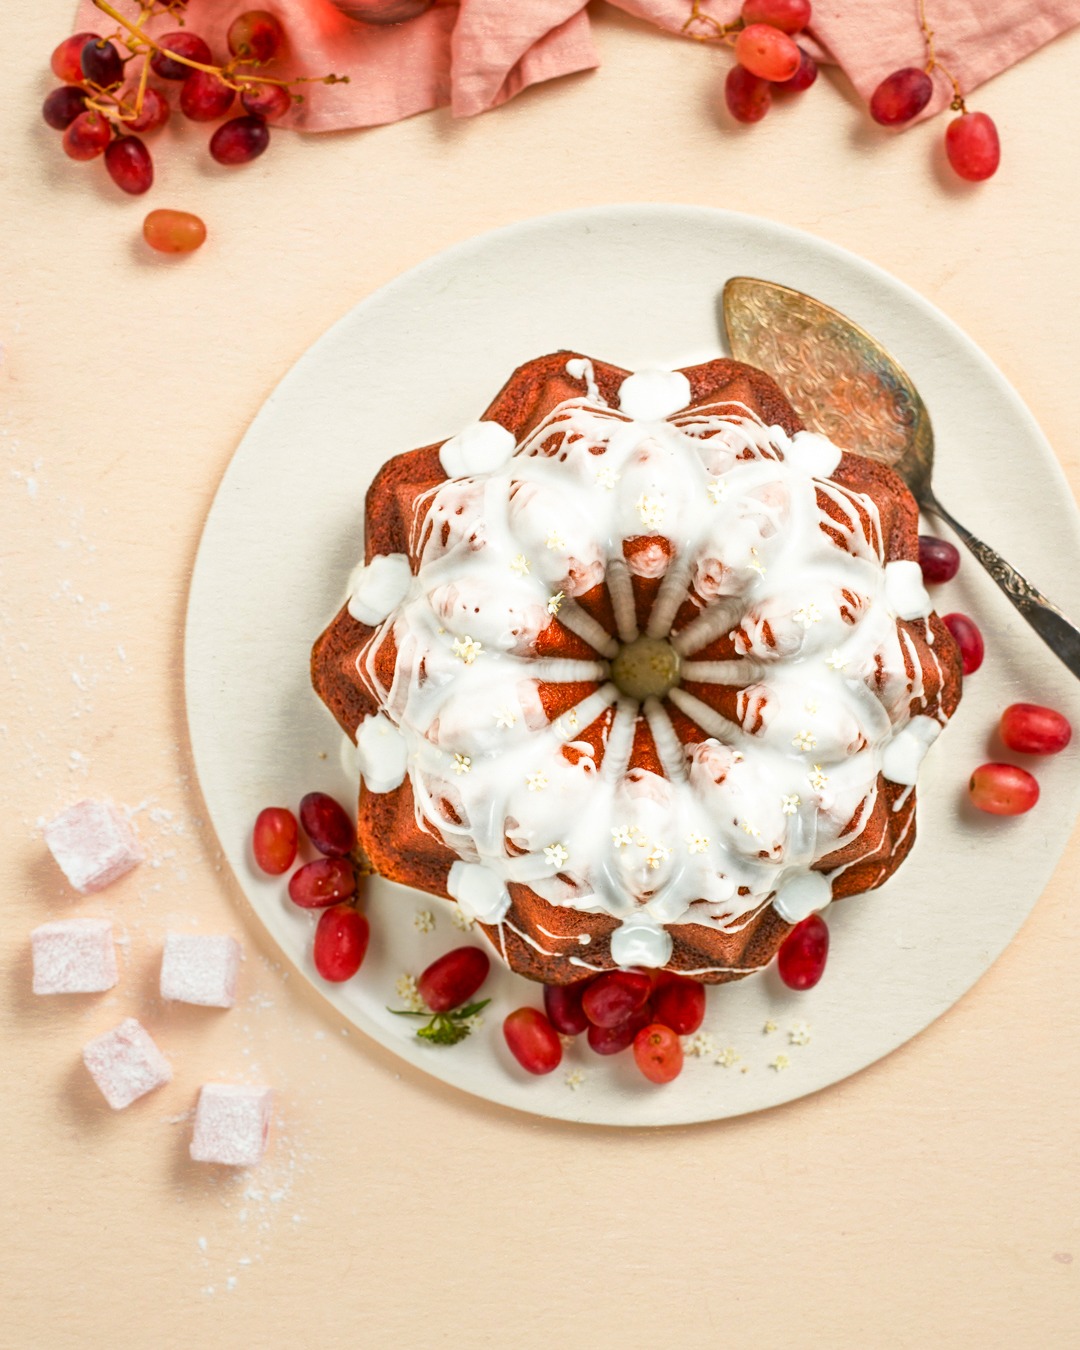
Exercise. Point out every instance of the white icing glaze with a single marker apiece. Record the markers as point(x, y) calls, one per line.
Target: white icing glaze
point(640, 944)
point(650, 395)
point(480, 892)
point(905, 753)
point(731, 520)
point(378, 587)
point(802, 896)
point(904, 590)
point(381, 752)
point(480, 448)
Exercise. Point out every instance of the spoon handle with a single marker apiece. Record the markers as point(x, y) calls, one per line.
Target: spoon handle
point(1061, 636)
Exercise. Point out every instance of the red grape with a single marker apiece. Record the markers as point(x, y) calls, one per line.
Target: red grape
point(968, 639)
point(1030, 729)
point(790, 16)
point(658, 1053)
point(266, 100)
point(939, 560)
point(804, 77)
point(322, 882)
point(679, 1003)
point(129, 164)
point(174, 231)
point(801, 958)
point(153, 114)
point(255, 36)
point(326, 822)
point(614, 997)
point(66, 60)
point(182, 43)
point(274, 839)
point(748, 98)
point(63, 105)
point(384, 11)
point(341, 941)
point(1003, 789)
point(901, 96)
point(87, 136)
point(533, 1041)
point(562, 1003)
point(767, 53)
point(613, 1040)
point(101, 63)
point(205, 97)
point(239, 140)
point(453, 978)
point(972, 145)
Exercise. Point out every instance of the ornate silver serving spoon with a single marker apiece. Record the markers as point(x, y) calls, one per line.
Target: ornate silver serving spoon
point(841, 380)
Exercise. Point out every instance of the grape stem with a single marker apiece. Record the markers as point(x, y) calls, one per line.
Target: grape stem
point(138, 41)
point(715, 31)
point(932, 63)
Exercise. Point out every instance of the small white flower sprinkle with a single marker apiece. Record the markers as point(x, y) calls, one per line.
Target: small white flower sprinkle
point(520, 566)
point(409, 994)
point(555, 603)
point(804, 740)
point(769, 1027)
point(727, 1058)
point(461, 919)
point(755, 564)
point(652, 511)
point(607, 477)
point(505, 717)
point(701, 1045)
point(718, 490)
point(818, 779)
point(466, 649)
point(751, 829)
point(556, 855)
point(424, 921)
point(811, 707)
point(660, 853)
point(807, 615)
point(555, 539)
point(836, 661)
point(620, 836)
point(697, 843)
point(790, 804)
point(536, 782)
point(574, 1079)
point(572, 720)
point(799, 1034)
point(779, 1063)
point(462, 764)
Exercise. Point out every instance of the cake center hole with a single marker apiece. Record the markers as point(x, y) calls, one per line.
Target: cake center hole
point(644, 667)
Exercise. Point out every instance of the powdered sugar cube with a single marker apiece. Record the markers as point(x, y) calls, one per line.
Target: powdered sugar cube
point(93, 843)
point(200, 968)
point(126, 1064)
point(231, 1124)
point(73, 956)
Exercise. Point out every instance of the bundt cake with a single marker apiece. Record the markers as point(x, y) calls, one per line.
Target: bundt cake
point(639, 671)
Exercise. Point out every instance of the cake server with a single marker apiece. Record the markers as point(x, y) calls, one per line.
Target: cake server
point(840, 379)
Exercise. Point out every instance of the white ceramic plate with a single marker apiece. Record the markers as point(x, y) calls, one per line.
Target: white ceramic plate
point(637, 286)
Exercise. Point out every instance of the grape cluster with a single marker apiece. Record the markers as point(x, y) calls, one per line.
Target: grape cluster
point(769, 60)
point(106, 103)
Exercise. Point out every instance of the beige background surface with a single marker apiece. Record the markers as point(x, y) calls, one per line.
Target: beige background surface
point(929, 1200)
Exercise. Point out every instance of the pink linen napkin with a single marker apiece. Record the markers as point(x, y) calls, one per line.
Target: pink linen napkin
point(476, 54)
